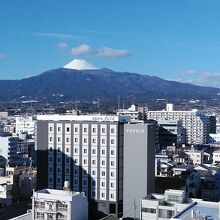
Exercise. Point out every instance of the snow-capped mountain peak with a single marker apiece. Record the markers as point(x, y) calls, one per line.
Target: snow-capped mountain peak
point(78, 64)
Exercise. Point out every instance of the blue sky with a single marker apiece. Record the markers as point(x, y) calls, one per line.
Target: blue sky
point(172, 39)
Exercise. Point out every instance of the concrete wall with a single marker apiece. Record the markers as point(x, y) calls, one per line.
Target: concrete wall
point(139, 166)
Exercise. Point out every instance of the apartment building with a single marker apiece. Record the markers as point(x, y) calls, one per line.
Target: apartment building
point(87, 150)
point(25, 124)
point(59, 205)
point(196, 124)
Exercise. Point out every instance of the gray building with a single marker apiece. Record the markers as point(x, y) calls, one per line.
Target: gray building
point(139, 166)
point(86, 150)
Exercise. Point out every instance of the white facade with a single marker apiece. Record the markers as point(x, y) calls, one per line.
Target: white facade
point(6, 194)
point(216, 156)
point(59, 205)
point(25, 124)
point(132, 112)
point(162, 207)
point(196, 124)
point(196, 156)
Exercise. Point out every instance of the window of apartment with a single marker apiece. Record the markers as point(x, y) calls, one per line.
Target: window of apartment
point(112, 163)
point(50, 159)
point(50, 179)
point(93, 140)
point(85, 161)
point(51, 139)
point(103, 184)
point(85, 151)
point(76, 171)
point(67, 140)
point(76, 181)
point(103, 152)
point(112, 185)
point(58, 160)
point(59, 129)
point(93, 162)
point(76, 140)
point(93, 172)
point(93, 151)
point(58, 180)
point(93, 130)
point(59, 139)
point(67, 150)
point(93, 183)
point(103, 173)
point(76, 129)
point(112, 196)
point(103, 141)
point(67, 129)
point(103, 162)
point(112, 141)
point(67, 170)
point(85, 182)
point(85, 129)
point(112, 152)
point(85, 140)
point(76, 150)
point(103, 130)
point(93, 194)
point(58, 170)
point(50, 169)
point(67, 160)
point(51, 128)
point(76, 160)
point(112, 174)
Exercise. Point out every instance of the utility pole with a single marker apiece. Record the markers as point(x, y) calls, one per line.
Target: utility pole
point(135, 210)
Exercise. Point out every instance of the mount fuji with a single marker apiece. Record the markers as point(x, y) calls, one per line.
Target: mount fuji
point(84, 81)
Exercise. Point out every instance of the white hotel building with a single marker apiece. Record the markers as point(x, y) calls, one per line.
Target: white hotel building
point(196, 125)
point(87, 150)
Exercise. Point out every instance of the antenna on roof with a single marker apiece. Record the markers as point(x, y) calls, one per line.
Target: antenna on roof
point(118, 102)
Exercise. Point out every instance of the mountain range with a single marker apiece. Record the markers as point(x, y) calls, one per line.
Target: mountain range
point(75, 80)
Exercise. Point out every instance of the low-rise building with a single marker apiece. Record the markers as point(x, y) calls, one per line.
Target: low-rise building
point(5, 194)
point(59, 205)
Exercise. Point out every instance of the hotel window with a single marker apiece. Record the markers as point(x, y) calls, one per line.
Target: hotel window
point(76, 140)
point(85, 161)
point(93, 140)
point(58, 170)
point(85, 140)
point(112, 174)
point(103, 173)
point(75, 181)
point(85, 151)
point(76, 160)
point(76, 129)
point(76, 150)
point(112, 185)
point(67, 140)
point(59, 129)
point(112, 196)
point(112, 152)
point(93, 151)
point(112, 130)
point(103, 162)
point(67, 170)
point(51, 128)
point(103, 130)
point(103, 184)
point(93, 194)
point(67, 150)
point(103, 152)
point(85, 129)
point(85, 182)
point(103, 141)
point(58, 180)
point(59, 139)
point(112, 163)
point(76, 171)
point(67, 129)
point(94, 130)
point(93, 162)
point(112, 141)
point(67, 160)
point(93, 172)
point(51, 139)
point(103, 195)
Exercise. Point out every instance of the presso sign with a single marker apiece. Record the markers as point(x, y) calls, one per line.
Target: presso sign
point(104, 118)
point(134, 131)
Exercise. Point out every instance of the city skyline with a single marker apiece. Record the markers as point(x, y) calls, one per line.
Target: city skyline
point(169, 39)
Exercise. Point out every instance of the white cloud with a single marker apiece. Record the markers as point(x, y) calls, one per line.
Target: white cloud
point(85, 49)
point(211, 79)
point(110, 52)
point(56, 35)
point(62, 45)
point(2, 56)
